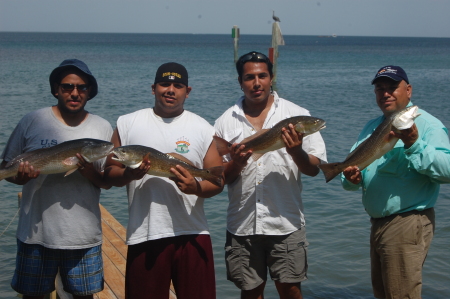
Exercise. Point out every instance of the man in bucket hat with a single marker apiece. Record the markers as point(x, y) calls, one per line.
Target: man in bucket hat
point(167, 232)
point(59, 225)
point(400, 189)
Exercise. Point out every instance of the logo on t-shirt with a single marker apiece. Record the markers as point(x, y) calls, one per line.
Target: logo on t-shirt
point(48, 143)
point(182, 146)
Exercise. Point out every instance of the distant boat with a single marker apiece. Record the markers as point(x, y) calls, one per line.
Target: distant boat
point(333, 35)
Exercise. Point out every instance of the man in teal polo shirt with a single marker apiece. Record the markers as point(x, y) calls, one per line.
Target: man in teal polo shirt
point(400, 190)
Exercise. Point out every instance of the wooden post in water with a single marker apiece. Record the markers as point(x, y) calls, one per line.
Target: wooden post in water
point(277, 40)
point(235, 35)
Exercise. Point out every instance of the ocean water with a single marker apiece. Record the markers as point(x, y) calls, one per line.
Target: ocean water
point(328, 76)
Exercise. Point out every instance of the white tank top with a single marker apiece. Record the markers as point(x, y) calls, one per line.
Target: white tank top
point(157, 209)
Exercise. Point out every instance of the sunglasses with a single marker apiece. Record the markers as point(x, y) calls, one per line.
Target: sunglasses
point(70, 87)
point(251, 57)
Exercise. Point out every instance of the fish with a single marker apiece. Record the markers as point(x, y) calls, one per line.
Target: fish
point(161, 163)
point(59, 158)
point(374, 147)
point(267, 140)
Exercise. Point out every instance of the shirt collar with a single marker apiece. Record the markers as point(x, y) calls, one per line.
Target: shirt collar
point(239, 110)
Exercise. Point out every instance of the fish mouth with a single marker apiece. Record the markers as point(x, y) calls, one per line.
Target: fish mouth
point(117, 156)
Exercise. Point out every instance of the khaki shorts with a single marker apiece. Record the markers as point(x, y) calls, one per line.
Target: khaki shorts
point(248, 257)
point(398, 248)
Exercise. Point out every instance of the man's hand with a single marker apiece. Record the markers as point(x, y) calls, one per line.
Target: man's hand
point(292, 139)
point(84, 167)
point(408, 136)
point(25, 173)
point(184, 180)
point(353, 174)
point(137, 173)
point(239, 155)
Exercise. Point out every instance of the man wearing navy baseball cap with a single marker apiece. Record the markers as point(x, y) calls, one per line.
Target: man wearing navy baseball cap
point(59, 226)
point(400, 189)
point(167, 234)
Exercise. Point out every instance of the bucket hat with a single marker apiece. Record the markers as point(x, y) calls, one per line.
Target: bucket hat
point(80, 65)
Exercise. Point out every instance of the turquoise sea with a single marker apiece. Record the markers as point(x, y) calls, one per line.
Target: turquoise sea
point(328, 76)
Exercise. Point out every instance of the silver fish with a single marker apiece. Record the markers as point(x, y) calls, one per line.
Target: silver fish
point(59, 158)
point(267, 140)
point(374, 147)
point(133, 155)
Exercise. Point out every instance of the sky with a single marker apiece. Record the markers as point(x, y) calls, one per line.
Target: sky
point(410, 18)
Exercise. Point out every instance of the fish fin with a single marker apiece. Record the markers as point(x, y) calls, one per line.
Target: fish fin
point(70, 172)
point(134, 166)
point(331, 170)
point(215, 175)
point(182, 158)
point(223, 146)
point(257, 134)
point(70, 161)
point(256, 156)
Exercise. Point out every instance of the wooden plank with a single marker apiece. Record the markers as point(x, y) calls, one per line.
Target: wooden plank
point(105, 294)
point(114, 278)
point(113, 223)
point(111, 252)
point(115, 240)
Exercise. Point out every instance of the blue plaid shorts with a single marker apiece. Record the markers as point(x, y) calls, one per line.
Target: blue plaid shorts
point(81, 270)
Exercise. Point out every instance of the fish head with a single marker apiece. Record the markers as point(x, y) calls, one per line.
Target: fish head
point(404, 119)
point(309, 125)
point(96, 149)
point(129, 155)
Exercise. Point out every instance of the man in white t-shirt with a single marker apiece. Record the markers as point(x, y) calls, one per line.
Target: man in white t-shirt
point(59, 224)
point(167, 231)
point(265, 222)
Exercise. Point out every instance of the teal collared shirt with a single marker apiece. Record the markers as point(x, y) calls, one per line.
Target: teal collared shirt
point(405, 179)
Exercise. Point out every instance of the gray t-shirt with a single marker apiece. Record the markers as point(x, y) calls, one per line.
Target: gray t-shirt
point(56, 211)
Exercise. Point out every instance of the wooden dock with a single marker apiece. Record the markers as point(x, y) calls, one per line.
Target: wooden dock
point(114, 261)
point(114, 258)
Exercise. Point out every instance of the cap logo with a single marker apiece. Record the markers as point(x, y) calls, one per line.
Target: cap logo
point(387, 70)
point(171, 75)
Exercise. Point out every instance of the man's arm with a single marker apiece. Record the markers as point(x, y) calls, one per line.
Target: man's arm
point(293, 140)
point(116, 174)
point(428, 154)
point(189, 185)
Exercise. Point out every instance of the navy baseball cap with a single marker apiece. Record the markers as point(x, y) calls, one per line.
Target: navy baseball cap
point(394, 72)
point(78, 64)
point(172, 72)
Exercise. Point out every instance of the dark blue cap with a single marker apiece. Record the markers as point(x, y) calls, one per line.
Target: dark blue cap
point(394, 72)
point(80, 65)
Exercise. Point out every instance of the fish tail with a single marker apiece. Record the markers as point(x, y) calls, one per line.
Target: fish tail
point(330, 170)
point(215, 175)
point(223, 146)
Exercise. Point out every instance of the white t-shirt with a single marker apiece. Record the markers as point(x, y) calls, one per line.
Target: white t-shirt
point(157, 208)
point(266, 198)
point(56, 211)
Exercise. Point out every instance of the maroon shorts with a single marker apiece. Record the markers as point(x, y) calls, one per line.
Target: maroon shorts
point(186, 260)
